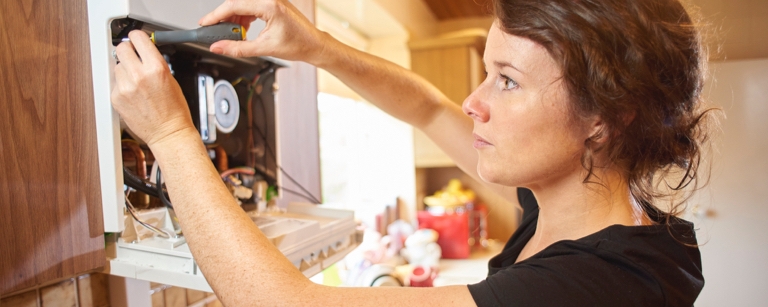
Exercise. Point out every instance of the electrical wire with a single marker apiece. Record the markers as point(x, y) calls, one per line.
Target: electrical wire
point(300, 195)
point(252, 86)
point(237, 81)
point(251, 158)
point(132, 211)
point(139, 184)
point(314, 199)
point(266, 127)
point(160, 192)
point(250, 171)
point(132, 180)
point(271, 151)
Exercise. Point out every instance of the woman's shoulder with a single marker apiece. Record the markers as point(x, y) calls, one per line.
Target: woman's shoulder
point(662, 256)
point(619, 265)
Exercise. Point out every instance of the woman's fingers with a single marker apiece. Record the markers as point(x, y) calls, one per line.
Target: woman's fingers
point(232, 8)
point(117, 93)
point(127, 54)
point(147, 52)
point(287, 33)
point(245, 21)
point(238, 48)
point(146, 49)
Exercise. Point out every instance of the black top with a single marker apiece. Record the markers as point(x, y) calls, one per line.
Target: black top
point(617, 266)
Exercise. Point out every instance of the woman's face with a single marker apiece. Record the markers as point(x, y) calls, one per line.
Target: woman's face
point(524, 133)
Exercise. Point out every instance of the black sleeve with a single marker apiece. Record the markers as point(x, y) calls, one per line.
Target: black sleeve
point(571, 278)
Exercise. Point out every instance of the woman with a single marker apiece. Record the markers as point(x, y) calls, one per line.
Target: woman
point(588, 104)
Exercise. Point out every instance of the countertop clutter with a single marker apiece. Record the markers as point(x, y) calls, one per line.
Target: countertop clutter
point(467, 271)
point(370, 266)
point(449, 246)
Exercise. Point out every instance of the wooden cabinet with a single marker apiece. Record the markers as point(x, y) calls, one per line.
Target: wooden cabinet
point(454, 65)
point(50, 204)
point(51, 223)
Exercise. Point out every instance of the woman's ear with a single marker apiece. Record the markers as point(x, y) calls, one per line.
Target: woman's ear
point(628, 117)
point(597, 130)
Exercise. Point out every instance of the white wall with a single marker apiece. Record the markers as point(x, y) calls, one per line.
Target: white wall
point(366, 155)
point(735, 239)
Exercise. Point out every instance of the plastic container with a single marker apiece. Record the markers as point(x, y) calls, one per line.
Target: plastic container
point(453, 231)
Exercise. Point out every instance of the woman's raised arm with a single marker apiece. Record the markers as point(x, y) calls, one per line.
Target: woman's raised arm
point(395, 90)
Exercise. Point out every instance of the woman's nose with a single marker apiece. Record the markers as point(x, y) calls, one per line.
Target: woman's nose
point(475, 107)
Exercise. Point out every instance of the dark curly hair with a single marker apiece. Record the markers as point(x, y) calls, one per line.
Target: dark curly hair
point(638, 64)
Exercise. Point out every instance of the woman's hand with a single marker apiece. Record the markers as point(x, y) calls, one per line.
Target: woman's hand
point(287, 35)
point(146, 95)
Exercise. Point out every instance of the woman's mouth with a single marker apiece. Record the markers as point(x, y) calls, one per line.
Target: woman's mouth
point(480, 142)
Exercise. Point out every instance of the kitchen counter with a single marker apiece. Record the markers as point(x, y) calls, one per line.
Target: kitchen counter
point(467, 271)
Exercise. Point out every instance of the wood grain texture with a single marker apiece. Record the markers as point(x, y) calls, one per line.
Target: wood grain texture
point(298, 127)
point(50, 204)
point(454, 67)
point(447, 68)
point(26, 299)
point(454, 9)
point(62, 294)
point(93, 290)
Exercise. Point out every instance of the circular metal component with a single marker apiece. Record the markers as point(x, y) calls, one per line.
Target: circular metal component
point(227, 106)
point(224, 106)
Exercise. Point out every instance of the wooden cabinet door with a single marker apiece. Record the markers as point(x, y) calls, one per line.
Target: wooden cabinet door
point(50, 204)
point(454, 66)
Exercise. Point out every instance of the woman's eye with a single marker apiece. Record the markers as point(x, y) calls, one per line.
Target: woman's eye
point(507, 83)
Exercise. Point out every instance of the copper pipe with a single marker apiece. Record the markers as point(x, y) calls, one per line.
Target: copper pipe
point(221, 158)
point(233, 171)
point(138, 155)
point(140, 200)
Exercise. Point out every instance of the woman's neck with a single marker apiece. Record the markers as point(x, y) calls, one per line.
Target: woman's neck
point(570, 209)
